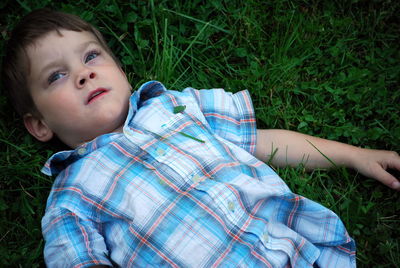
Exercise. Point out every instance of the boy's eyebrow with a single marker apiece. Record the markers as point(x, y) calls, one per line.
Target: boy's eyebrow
point(79, 49)
point(84, 45)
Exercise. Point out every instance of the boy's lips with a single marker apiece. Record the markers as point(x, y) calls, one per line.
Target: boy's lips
point(94, 94)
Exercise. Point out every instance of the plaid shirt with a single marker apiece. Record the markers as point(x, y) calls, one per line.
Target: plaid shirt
point(181, 188)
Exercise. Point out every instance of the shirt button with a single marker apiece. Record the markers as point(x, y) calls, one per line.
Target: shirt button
point(202, 213)
point(265, 238)
point(160, 152)
point(162, 182)
point(81, 151)
point(231, 206)
point(196, 178)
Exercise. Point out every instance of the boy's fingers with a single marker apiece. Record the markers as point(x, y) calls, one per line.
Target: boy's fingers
point(395, 185)
point(387, 179)
point(395, 164)
point(394, 161)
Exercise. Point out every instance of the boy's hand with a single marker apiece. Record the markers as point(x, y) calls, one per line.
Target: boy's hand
point(375, 163)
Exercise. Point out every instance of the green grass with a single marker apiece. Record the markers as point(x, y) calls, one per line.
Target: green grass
point(326, 68)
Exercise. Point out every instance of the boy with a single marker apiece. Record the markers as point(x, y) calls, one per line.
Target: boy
point(161, 177)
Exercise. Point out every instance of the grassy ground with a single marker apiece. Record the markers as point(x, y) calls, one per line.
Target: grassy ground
point(327, 68)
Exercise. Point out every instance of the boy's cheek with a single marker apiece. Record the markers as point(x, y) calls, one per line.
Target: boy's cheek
point(123, 73)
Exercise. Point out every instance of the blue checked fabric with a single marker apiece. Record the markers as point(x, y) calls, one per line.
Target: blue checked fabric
point(181, 188)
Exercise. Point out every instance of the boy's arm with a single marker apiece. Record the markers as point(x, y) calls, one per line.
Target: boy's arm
point(72, 241)
point(284, 147)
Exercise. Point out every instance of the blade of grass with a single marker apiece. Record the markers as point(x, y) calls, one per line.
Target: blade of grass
point(325, 156)
point(15, 147)
point(190, 45)
point(197, 20)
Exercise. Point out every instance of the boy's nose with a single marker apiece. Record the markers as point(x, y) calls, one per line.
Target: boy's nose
point(83, 79)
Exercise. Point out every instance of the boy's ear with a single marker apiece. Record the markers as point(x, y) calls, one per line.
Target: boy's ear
point(37, 127)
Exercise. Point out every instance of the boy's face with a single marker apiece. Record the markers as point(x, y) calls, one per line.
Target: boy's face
point(77, 88)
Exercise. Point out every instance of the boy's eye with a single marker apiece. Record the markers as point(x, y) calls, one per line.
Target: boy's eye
point(54, 77)
point(91, 55)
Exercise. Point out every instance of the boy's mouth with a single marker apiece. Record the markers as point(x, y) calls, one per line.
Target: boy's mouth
point(94, 94)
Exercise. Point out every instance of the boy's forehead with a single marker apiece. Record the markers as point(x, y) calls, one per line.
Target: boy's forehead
point(63, 37)
point(56, 45)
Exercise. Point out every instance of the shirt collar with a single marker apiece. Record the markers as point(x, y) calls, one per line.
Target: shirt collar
point(146, 91)
point(59, 161)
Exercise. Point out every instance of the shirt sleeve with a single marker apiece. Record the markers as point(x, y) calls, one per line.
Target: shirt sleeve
point(71, 241)
point(230, 115)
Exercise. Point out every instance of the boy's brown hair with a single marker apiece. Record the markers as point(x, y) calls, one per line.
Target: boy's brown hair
point(16, 63)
